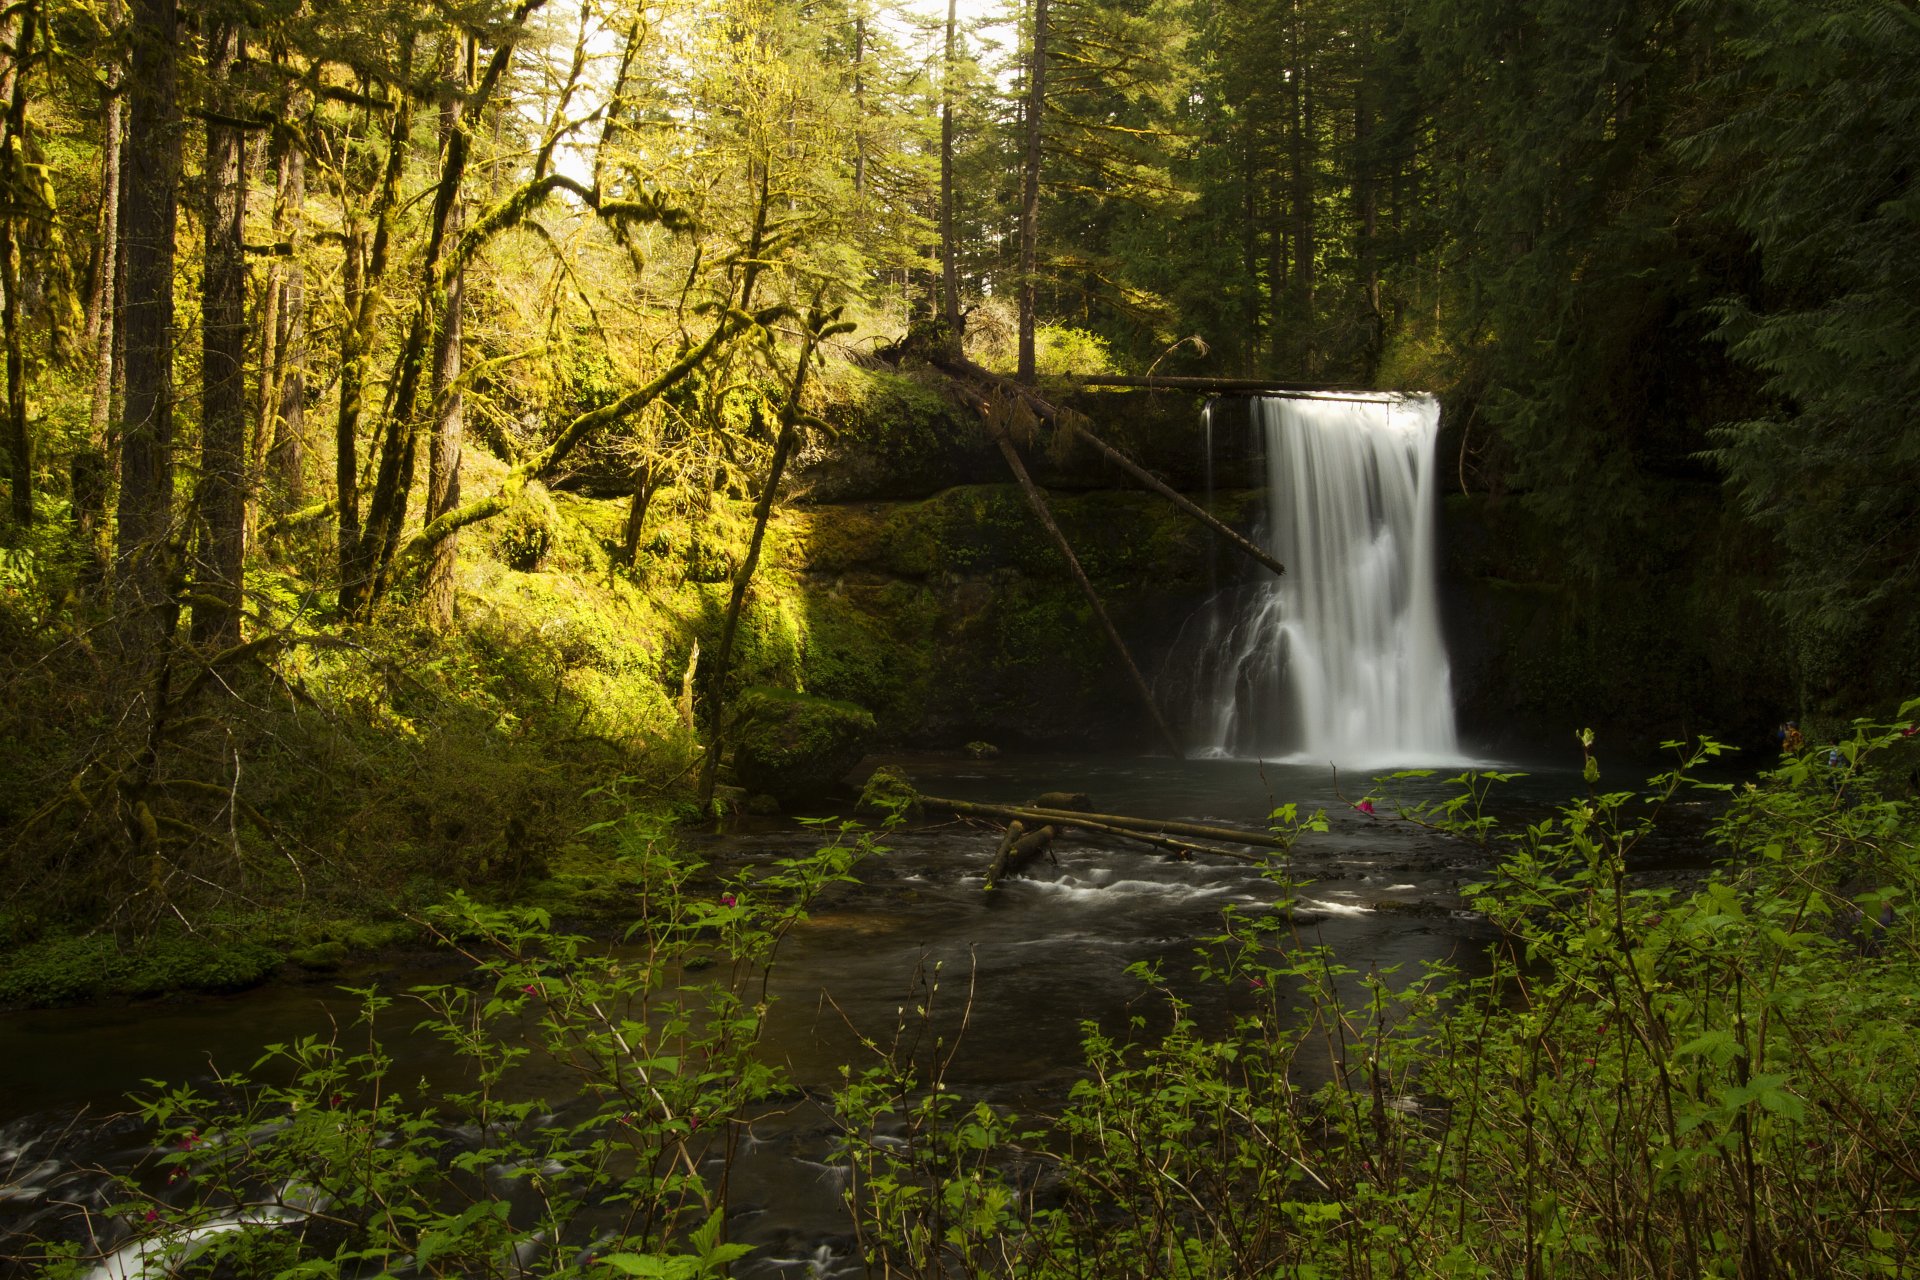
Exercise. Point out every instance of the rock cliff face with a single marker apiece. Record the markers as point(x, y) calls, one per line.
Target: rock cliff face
point(953, 619)
point(931, 596)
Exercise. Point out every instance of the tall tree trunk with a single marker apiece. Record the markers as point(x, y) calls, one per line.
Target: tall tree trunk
point(103, 303)
point(152, 172)
point(449, 408)
point(387, 507)
point(1303, 212)
point(949, 270)
point(220, 570)
point(1278, 298)
point(860, 100)
point(1366, 205)
point(365, 279)
point(1250, 241)
point(13, 153)
point(286, 455)
point(646, 482)
point(1030, 188)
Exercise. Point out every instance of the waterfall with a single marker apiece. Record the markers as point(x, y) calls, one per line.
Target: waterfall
point(1341, 659)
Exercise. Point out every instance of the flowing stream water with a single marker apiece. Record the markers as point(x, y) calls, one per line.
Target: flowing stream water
point(1043, 954)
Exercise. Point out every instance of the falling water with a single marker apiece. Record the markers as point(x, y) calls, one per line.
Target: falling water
point(1342, 659)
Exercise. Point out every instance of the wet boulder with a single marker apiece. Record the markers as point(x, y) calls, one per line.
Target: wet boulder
point(794, 747)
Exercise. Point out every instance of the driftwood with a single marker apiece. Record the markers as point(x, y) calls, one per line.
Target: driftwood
point(1112, 824)
point(1018, 847)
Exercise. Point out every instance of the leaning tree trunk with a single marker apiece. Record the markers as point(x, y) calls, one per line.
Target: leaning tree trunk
point(219, 573)
point(817, 328)
point(152, 169)
point(365, 290)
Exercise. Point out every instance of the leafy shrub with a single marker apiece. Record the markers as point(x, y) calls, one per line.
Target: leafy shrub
point(1713, 1081)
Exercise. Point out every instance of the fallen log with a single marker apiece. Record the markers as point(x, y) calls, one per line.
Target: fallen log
point(1071, 425)
point(1247, 386)
point(1114, 824)
point(1018, 847)
point(1045, 517)
point(1074, 423)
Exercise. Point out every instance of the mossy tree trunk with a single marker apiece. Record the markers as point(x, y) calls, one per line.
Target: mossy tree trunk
point(152, 169)
point(219, 583)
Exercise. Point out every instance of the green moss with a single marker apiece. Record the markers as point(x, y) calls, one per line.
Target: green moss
point(72, 969)
point(795, 747)
point(890, 793)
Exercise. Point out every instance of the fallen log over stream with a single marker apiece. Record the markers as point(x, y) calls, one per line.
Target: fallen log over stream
point(1153, 831)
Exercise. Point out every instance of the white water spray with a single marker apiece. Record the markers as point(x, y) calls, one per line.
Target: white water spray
point(1342, 659)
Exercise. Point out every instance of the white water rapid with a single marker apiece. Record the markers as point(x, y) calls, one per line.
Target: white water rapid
point(1342, 659)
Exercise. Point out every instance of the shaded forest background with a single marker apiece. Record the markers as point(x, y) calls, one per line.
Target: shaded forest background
point(296, 296)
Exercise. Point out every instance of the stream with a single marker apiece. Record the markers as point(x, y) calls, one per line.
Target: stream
point(1044, 954)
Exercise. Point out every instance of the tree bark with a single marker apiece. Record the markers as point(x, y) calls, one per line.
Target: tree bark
point(1030, 189)
point(860, 100)
point(449, 406)
point(380, 539)
point(219, 574)
point(1018, 847)
point(1305, 236)
point(286, 455)
point(949, 269)
point(152, 169)
point(646, 481)
point(13, 152)
point(364, 291)
point(104, 301)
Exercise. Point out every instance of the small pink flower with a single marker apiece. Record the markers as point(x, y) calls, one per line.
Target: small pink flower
point(152, 1216)
point(531, 990)
point(1366, 807)
point(727, 899)
point(693, 1123)
point(1256, 983)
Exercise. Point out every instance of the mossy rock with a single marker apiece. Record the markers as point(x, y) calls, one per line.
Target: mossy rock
point(891, 792)
point(794, 747)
